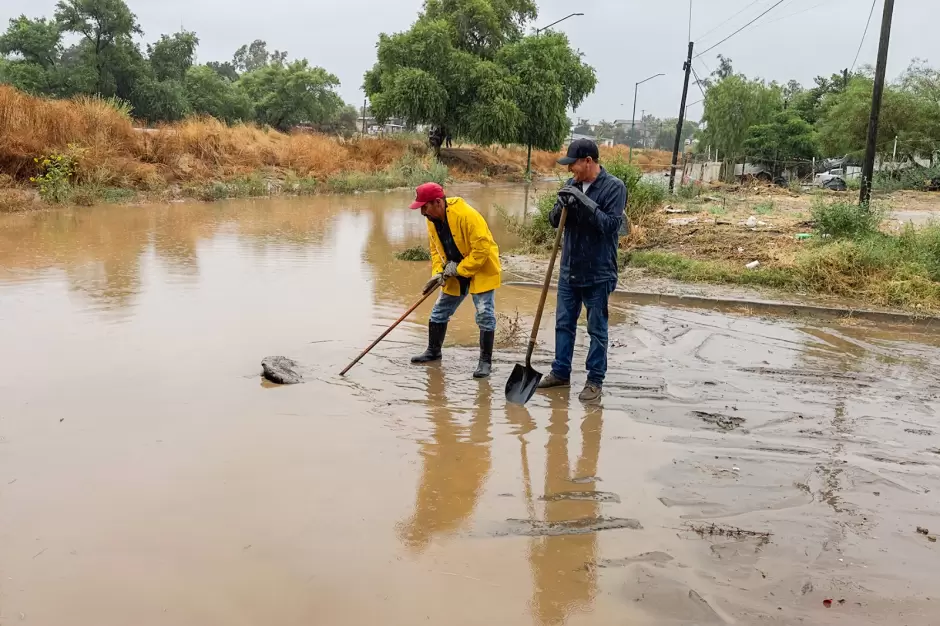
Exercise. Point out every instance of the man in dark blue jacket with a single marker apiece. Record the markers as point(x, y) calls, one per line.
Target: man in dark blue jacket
point(596, 202)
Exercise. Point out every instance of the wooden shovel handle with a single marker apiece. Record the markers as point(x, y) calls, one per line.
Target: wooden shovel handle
point(545, 286)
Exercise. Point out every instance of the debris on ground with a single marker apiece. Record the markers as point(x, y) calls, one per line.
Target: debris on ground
point(922, 530)
point(671, 209)
point(827, 602)
point(734, 532)
point(280, 370)
point(724, 422)
point(753, 265)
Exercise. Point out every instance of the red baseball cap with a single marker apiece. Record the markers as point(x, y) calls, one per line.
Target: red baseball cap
point(428, 192)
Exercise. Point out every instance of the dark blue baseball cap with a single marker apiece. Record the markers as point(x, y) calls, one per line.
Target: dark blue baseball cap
point(580, 149)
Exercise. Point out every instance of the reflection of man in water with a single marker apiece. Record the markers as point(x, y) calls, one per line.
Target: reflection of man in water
point(563, 582)
point(455, 464)
point(464, 259)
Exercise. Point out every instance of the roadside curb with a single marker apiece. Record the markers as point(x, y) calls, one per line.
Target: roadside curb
point(762, 306)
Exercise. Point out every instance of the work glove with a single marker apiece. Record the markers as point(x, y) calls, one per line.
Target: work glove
point(574, 198)
point(436, 281)
point(450, 270)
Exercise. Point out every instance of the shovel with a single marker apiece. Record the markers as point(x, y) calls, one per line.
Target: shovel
point(388, 330)
point(523, 381)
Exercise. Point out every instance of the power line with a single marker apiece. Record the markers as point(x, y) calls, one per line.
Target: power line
point(701, 37)
point(779, 2)
point(807, 10)
point(698, 81)
point(865, 34)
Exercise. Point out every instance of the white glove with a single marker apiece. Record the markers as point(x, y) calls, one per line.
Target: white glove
point(450, 270)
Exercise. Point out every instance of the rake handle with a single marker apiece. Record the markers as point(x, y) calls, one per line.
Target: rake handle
point(390, 329)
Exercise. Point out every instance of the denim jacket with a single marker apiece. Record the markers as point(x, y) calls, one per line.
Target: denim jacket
point(589, 251)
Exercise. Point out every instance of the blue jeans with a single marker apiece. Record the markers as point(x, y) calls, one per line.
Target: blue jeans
point(485, 304)
point(570, 300)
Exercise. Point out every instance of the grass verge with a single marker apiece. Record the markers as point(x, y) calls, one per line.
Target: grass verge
point(415, 253)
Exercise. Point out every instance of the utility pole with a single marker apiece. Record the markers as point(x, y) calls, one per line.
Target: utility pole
point(685, 95)
point(364, 100)
point(845, 79)
point(868, 167)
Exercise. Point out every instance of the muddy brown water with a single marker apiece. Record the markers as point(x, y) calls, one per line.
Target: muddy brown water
point(739, 470)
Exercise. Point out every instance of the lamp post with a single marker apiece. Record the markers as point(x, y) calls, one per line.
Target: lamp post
point(636, 88)
point(538, 31)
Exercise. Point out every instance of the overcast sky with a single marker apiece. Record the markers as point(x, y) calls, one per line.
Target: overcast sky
point(625, 40)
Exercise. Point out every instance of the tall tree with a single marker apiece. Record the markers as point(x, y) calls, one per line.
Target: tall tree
point(483, 26)
point(465, 66)
point(172, 55)
point(208, 93)
point(255, 55)
point(104, 26)
point(550, 79)
point(36, 41)
point(732, 106)
point(286, 95)
point(786, 138)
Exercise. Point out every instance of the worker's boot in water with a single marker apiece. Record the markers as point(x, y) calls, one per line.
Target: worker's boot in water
point(436, 333)
point(487, 337)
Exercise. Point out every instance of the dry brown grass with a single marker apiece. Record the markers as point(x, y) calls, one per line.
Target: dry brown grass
point(110, 151)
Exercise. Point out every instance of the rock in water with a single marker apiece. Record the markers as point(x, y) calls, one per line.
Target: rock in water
point(280, 370)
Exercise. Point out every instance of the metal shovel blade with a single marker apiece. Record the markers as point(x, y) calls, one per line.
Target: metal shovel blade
point(522, 384)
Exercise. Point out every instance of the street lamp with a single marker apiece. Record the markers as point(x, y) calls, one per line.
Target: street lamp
point(539, 30)
point(528, 161)
point(636, 87)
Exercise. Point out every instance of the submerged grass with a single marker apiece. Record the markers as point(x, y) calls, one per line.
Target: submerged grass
point(415, 253)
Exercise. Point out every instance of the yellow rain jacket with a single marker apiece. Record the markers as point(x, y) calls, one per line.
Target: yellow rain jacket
point(475, 241)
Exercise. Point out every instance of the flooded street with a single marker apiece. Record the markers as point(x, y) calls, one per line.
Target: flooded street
point(739, 470)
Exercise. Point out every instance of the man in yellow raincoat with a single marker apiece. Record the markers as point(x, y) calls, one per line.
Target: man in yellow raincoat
point(464, 259)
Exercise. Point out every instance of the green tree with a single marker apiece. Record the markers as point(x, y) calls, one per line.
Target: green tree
point(104, 25)
point(482, 27)
point(224, 69)
point(172, 55)
point(255, 55)
point(36, 41)
point(465, 66)
point(286, 95)
point(787, 137)
point(159, 100)
point(208, 93)
point(913, 119)
point(732, 106)
point(549, 78)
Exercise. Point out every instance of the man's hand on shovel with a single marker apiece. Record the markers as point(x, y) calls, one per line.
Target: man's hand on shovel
point(436, 281)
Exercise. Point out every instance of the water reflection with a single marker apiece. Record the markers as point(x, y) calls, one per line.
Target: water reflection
point(455, 464)
point(105, 252)
point(562, 581)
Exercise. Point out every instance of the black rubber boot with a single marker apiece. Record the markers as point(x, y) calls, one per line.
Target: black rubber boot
point(436, 333)
point(485, 366)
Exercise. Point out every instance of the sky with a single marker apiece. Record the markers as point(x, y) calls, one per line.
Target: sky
point(624, 40)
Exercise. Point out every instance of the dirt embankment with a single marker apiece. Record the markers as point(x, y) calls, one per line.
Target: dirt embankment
point(105, 150)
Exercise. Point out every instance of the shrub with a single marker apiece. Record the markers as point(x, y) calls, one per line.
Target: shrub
point(535, 231)
point(415, 253)
point(54, 179)
point(845, 219)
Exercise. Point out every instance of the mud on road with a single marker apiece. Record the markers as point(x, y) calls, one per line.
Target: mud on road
point(739, 469)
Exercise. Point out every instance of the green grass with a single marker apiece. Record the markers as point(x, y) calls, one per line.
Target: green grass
point(535, 232)
point(681, 268)
point(900, 270)
point(409, 171)
point(764, 208)
point(717, 210)
point(415, 253)
point(845, 219)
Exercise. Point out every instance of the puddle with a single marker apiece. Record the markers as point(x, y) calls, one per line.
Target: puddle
point(140, 457)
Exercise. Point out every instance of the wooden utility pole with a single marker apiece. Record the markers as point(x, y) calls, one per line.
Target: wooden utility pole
point(364, 101)
point(868, 167)
point(685, 95)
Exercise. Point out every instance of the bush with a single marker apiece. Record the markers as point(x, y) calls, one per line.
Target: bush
point(647, 196)
point(913, 178)
point(54, 179)
point(415, 253)
point(535, 231)
point(846, 220)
